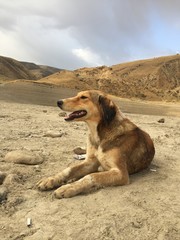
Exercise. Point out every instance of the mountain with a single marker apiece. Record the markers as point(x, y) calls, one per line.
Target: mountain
point(40, 71)
point(151, 79)
point(11, 69)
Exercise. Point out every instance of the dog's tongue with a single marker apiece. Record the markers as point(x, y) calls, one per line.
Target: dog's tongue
point(76, 114)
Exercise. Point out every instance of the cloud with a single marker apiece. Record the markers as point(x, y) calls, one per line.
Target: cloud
point(89, 57)
point(77, 33)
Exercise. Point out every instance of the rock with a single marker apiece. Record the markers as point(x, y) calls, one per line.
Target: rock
point(2, 177)
point(23, 157)
point(3, 194)
point(62, 114)
point(53, 134)
point(10, 179)
point(79, 151)
point(80, 157)
point(137, 224)
point(29, 222)
point(162, 120)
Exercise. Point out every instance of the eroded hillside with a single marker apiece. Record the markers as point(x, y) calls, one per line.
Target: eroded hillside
point(152, 79)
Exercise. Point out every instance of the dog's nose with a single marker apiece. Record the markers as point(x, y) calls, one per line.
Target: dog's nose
point(60, 103)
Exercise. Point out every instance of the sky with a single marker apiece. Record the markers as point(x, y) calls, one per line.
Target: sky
point(71, 34)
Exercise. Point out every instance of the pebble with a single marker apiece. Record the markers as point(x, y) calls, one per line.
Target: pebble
point(10, 179)
point(3, 193)
point(80, 157)
point(53, 134)
point(2, 177)
point(162, 120)
point(79, 151)
point(29, 222)
point(23, 157)
point(137, 224)
point(62, 114)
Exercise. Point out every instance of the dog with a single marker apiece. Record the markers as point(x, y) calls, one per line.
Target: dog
point(114, 143)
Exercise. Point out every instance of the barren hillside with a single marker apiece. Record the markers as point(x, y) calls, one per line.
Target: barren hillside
point(11, 69)
point(40, 71)
point(152, 79)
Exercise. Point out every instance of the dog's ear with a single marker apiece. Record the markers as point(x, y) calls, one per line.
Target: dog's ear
point(108, 109)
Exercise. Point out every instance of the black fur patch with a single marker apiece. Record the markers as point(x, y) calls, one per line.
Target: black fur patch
point(109, 111)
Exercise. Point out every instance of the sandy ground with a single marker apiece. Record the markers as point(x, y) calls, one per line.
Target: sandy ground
point(47, 95)
point(147, 209)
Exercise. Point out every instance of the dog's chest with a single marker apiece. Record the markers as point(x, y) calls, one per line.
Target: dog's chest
point(94, 140)
point(99, 154)
point(106, 159)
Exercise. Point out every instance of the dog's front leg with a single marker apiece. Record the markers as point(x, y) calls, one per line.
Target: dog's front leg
point(74, 172)
point(113, 177)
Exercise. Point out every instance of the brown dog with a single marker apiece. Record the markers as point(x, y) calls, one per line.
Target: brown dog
point(114, 143)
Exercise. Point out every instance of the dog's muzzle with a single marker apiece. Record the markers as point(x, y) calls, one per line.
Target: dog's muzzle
point(60, 103)
point(76, 114)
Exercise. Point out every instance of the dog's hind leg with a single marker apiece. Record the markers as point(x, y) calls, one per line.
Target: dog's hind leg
point(113, 177)
point(70, 173)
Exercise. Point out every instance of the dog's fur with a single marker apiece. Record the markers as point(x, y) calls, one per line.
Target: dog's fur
point(114, 143)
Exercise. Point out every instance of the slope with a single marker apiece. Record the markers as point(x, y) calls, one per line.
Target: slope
point(11, 69)
point(151, 79)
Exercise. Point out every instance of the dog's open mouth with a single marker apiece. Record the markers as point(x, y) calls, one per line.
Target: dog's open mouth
point(76, 114)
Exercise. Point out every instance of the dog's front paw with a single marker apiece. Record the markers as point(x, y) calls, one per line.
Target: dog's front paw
point(65, 191)
point(47, 184)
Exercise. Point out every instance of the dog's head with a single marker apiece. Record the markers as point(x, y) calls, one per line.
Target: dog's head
point(89, 106)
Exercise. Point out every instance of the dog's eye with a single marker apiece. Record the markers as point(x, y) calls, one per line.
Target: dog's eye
point(83, 97)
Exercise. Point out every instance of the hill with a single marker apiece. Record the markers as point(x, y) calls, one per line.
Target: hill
point(151, 79)
point(11, 69)
point(40, 71)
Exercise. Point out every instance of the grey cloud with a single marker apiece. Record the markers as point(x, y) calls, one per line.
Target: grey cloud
point(116, 30)
point(7, 21)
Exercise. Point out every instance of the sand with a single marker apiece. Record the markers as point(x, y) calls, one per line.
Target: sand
point(146, 209)
point(47, 95)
